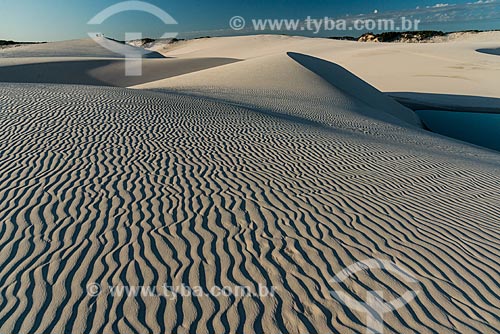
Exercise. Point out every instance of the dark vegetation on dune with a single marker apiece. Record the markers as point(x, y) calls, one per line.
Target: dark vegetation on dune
point(7, 43)
point(401, 36)
point(343, 38)
point(396, 36)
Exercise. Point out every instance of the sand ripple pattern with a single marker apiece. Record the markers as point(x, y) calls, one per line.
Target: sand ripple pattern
point(127, 187)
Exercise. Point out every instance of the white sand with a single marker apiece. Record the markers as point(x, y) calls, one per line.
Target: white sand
point(98, 71)
point(279, 170)
point(78, 48)
point(440, 68)
point(85, 62)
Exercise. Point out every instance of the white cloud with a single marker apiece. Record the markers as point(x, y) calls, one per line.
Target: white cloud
point(439, 5)
point(480, 2)
point(449, 12)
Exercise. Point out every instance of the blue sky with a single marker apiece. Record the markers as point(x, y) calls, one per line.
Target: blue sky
point(49, 20)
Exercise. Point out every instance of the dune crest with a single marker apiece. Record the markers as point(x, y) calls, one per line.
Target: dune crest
point(287, 81)
point(350, 84)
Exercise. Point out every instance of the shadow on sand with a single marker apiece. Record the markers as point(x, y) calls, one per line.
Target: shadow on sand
point(106, 72)
point(493, 52)
point(474, 119)
point(353, 86)
point(447, 102)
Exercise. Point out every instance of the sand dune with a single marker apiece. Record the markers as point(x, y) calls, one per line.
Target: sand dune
point(280, 170)
point(294, 78)
point(78, 48)
point(454, 67)
point(100, 72)
point(85, 62)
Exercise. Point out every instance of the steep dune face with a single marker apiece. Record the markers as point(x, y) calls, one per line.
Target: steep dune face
point(122, 187)
point(291, 83)
point(353, 86)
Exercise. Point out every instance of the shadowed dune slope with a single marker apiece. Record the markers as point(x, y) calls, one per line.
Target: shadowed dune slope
point(131, 187)
point(87, 62)
point(291, 83)
point(101, 72)
point(348, 83)
point(465, 103)
point(494, 52)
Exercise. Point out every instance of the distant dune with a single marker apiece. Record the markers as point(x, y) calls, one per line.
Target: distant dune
point(77, 48)
point(102, 72)
point(86, 62)
point(279, 170)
